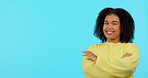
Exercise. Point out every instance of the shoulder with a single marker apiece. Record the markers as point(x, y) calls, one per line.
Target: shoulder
point(131, 45)
point(97, 45)
point(94, 48)
point(94, 45)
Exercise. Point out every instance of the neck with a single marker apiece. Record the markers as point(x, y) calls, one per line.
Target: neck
point(113, 41)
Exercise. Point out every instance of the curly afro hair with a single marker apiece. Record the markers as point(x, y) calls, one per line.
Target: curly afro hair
point(126, 21)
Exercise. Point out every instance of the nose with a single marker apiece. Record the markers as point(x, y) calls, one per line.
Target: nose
point(110, 26)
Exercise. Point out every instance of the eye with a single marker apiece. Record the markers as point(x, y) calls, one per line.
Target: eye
point(106, 23)
point(115, 24)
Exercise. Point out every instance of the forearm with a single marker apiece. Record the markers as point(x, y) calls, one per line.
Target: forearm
point(90, 55)
point(117, 67)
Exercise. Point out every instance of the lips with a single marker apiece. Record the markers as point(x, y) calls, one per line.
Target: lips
point(109, 32)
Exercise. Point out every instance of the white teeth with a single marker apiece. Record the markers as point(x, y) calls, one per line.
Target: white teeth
point(109, 32)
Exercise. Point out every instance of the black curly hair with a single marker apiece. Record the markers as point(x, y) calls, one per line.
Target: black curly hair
point(127, 24)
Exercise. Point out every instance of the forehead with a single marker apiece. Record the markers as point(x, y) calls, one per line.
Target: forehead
point(112, 17)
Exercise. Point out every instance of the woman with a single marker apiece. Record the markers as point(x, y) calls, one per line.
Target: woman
point(115, 57)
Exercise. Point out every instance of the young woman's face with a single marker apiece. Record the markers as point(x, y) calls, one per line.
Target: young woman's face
point(111, 27)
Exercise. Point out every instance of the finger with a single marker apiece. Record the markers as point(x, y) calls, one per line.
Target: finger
point(84, 55)
point(125, 54)
point(129, 55)
point(87, 53)
point(84, 51)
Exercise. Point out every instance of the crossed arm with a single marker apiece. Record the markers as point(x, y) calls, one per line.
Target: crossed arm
point(121, 67)
point(94, 57)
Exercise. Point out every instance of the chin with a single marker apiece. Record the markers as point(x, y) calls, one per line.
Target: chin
point(110, 37)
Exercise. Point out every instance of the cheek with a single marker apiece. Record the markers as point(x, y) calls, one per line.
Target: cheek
point(118, 30)
point(104, 29)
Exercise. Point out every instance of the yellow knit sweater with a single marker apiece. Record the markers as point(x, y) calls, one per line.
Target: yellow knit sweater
point(110, 63)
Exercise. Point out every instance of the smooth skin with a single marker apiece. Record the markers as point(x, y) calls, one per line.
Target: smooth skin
point(111, 30)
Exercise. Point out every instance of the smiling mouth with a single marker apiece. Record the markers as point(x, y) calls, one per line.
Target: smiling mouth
point(109, 32)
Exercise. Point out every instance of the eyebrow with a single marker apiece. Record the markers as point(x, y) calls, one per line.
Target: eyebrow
point(112, 21)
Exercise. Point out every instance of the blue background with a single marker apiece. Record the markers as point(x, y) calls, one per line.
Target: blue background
point(45, 38)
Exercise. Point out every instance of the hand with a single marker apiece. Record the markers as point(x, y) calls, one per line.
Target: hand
point(90, 55)
point(127, 55)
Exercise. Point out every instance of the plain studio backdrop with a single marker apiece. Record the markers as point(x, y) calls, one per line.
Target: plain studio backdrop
point(45, 38)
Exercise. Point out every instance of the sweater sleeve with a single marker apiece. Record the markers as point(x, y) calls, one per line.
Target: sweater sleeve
point(87, 64)
point(120, 67)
